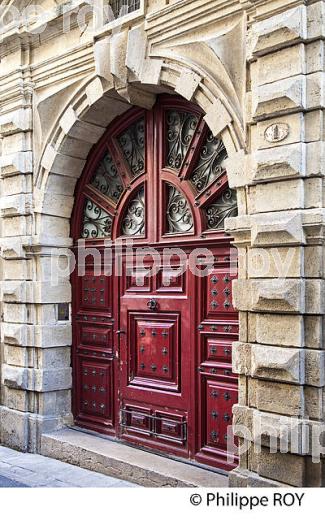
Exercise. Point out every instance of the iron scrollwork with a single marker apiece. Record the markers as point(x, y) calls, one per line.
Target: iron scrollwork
point(225, 206)
point(134, 220)
point(96, 222)
point(132, 143)
point(210, 163)
point(107, 179)
point(180, 130)
point(179, 215)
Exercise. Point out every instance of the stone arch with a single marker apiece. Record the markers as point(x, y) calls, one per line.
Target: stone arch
point(85, 118)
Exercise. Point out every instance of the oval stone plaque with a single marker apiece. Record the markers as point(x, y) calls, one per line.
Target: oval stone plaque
point(276, 132)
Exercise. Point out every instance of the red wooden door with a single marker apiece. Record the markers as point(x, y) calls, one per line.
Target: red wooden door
point(153, 328)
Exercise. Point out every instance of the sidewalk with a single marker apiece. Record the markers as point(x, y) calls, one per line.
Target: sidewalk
point(28, 470)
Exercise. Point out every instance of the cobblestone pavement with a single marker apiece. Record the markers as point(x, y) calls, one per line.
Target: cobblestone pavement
point(29, 470)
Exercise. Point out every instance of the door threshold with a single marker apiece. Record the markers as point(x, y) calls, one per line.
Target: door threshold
point(189, 462)
point(111, 457)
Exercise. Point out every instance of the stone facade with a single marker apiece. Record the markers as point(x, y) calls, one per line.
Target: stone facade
point(256, 68)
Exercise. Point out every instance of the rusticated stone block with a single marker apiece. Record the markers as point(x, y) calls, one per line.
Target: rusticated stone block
point(241, 358)
point(78, 129)
point(278, 30)
point(276, 363)
point(277, 229)
point(274, 295)
point(279, 97)
point(283, 467)
point(279, 432)
point(281, 162)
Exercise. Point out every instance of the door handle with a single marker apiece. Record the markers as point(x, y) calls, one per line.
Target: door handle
point(119, 332)
point(152, 304)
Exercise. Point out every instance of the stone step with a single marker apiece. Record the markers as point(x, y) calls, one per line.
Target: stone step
point(124, 462)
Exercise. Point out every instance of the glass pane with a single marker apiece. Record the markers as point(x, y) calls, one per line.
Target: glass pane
point(123, 7)
point(225, 206)
point(210, 163)
point(180, 130)
point(96, 222)
point(179, 215)
point(134, 220)
point(132, 143)
point(107, 179)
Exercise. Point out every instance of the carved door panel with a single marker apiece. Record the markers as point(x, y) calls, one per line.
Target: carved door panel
point(155, 361)
point(217, 384)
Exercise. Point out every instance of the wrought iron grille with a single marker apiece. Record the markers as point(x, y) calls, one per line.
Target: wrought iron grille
point(225, 206)
point(180, 130)
point(134, 220)
point(179, 216)
point(123, 7)
point(96, 222)
point(210, 164)
point(107, 179)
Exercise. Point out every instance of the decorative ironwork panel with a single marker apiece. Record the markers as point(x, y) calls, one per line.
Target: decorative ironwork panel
point(179, 215)
point(225, 206)
point(123, 7)
point(180, 130)
point(132, 143)
point(210, 163)
point(134, 220)
point(96, 222)
point(107, 179)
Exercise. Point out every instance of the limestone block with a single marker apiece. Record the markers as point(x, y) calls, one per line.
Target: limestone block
point(17, 313)
point(73, 147)
point(243, 421)
point(54, 357)
point(47, 336)
point(314, 332)
point(117, 57)
point(217, 117)
point(14, 428)
point(278, 329)
point(276, 196)
point(17, 356)
point(315, 90)
point(280, 162)
point(315, 158)
point(239, 168)
point(314, 406)
point(277, 363)
point(16, 121)
point(279, 97)
point(279, 295)
point(104, 110)
point(315, 368)
point(276, 397)
point(13, 248)
point(78, 129)
point(277, 229)
point(276, 262)
point(187, 84)
point(16, 184)
point(315, 293)
point(53, 204)
point(316, 20)
point(17, 226)
point(62, 164)
point(20, 162)
point(151, 71)
point(15, 291)
point(293, 132)
point(15, 399)
point(286, 432)
point(282, 64)
point(138, 97)
point(55, 403)
point(16, 205)
point(241, 358)
point(136, 49)
point(18, 334)
point(275, 31)
point(102, 59)
point(283, 467)
point(35, 379)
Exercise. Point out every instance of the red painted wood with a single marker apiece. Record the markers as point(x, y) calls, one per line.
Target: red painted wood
point(159, 378)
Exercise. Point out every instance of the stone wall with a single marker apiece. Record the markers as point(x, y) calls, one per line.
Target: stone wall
point(256, 69)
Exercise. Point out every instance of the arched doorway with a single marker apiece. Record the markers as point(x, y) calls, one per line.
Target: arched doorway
point(153, 329)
